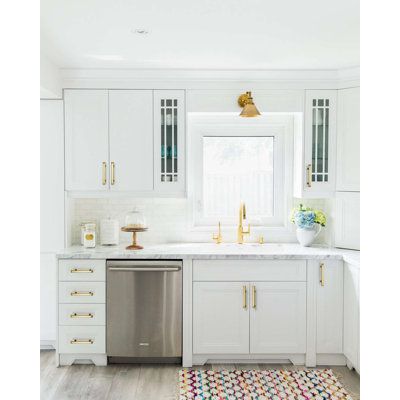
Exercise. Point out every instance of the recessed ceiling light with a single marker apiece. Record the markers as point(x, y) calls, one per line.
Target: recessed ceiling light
point(140, 31)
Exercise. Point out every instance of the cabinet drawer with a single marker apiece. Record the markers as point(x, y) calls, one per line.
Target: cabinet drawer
point(82, 339)
point(250, 270)
point(82, 270)
point(82, 314)
point(82, 292)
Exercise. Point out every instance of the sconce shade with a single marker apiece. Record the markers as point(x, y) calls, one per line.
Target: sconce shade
point(249, 109)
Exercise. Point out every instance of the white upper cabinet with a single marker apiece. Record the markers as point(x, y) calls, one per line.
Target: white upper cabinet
point(348, 140)
point(169, 141)
point(86, 139)
point(277, 317)
point(315, 151)
point(330, 307)
point(125, 141)
point(131, 140)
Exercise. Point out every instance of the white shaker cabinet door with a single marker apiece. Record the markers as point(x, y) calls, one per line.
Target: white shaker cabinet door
point(351, 334)
point(348, 140)
point(277, 317)
point(86, 139)
point(220, 318)
point(131, 140)
point(330, 307)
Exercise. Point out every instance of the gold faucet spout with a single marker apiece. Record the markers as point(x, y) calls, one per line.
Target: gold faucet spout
point(218, 237)
point(241, 231)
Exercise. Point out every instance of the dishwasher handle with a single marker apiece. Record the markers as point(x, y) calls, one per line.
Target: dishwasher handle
point(145, 269)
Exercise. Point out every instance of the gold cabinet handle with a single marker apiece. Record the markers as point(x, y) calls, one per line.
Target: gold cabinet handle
point(104, 170)
point(82, 341)
point(82, 271)
point(77, 315)
point(76, 293)
point(112, 173)
point(321, 274)
point(253, 296)
point(309, 177)
point(245, 297)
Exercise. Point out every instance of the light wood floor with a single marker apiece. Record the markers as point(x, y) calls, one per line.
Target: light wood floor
point(138, 381)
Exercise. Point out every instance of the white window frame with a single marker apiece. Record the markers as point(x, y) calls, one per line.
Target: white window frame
point(277, 125)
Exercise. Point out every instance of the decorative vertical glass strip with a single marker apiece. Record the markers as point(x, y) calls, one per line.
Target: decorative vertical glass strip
point(169, 140)
point(320, 140)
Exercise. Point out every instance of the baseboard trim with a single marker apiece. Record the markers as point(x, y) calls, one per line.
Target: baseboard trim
point(331, 359)
point(47, 344)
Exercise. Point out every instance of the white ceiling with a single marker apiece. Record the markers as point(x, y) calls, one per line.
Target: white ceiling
point(202, 34)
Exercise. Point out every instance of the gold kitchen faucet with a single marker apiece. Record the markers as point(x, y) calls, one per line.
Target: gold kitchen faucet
point(241, 231)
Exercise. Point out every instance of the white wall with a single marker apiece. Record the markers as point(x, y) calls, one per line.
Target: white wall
point(50, 79)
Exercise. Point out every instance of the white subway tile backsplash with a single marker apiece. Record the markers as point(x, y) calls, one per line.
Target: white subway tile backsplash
point(170, 220)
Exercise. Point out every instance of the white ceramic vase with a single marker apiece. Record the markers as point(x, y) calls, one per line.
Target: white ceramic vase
point(306, 236)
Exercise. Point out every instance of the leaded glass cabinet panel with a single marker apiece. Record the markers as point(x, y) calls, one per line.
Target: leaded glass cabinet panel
point(169, 141)
point(320, 142)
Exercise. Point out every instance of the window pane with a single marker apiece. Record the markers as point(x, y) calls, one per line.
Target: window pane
point(238, 169)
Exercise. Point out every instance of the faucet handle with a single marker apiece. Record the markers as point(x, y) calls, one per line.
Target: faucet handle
point(247, 232)
point(218, 237)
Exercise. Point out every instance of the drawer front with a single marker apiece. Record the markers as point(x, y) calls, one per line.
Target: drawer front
point(250, 270)
point(82, 314)
point(82, 270)
point(82, 292)
point(82, 339)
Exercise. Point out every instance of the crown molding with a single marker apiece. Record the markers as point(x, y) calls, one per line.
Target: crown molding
point(207, 79)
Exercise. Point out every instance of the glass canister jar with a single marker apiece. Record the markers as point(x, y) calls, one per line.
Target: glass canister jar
point(89, 236)
point(135, 219)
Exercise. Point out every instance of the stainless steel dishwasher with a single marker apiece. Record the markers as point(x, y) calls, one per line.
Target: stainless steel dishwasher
point(144, 311)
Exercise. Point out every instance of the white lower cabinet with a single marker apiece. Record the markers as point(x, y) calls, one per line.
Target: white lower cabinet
point(249, 317)
point(330, 307)
point(220, 318)
point(81, 311)
point(278, 317)
point(351, 334)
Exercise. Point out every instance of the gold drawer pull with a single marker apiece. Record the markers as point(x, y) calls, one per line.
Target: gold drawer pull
point(253, 296)
point(82, 341)
point(82, 271)
point(77, 315)
point(75, 293)
point(245, 297)
point(321, 274)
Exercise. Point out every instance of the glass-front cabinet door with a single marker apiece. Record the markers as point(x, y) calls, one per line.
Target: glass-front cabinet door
point(169, 141)
point(320, 142)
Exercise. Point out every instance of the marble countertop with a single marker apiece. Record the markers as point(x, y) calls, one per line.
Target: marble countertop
point(213, 251)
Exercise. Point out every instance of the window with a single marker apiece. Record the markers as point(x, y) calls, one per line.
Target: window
point(238, 169)
point(234, 161)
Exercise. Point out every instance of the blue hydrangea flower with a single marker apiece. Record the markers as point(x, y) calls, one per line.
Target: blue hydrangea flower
point(305, 219)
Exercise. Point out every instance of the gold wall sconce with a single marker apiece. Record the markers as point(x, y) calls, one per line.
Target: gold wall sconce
point(249, 109)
